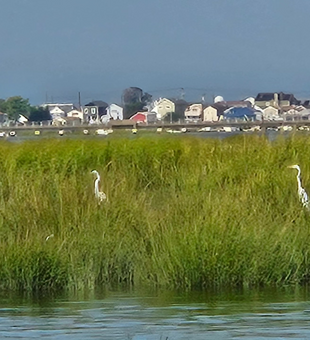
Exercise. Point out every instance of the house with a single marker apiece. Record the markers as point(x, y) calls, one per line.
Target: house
point(22, 119)
point(292, 109)
point(270, 113)
point(275, 99)
point(302, 114)
point(94, 110)
point(115, 112)
point(241, 113)
point(221, 105)
point(76, 114)
point(294, 112)
point(214, 111)
point(144, 117)
point(210, 114)
point(139, 117)
point(193, 113)
point(162, 107)
point(59, 110)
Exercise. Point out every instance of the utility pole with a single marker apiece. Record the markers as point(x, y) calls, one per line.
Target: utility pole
point(79, 96)
point(182, 93)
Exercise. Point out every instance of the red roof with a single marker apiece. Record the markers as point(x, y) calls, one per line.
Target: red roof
point(139, 117)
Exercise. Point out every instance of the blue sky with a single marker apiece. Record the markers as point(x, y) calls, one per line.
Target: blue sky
point(55, 48)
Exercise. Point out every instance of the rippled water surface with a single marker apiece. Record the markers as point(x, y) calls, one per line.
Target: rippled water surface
point(159, 315)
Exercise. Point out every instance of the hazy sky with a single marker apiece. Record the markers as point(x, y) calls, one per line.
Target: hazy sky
point(55, 48)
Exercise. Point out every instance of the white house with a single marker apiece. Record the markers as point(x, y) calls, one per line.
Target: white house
point(22, 119)
point(115, 112)
point(59, 110)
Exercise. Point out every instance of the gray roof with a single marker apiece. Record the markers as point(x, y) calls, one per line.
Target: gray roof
point(99, 103)
point(64, 107)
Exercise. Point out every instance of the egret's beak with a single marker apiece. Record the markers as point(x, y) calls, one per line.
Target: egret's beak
point(291, 166)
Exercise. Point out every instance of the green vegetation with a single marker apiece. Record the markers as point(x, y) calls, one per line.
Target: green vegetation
point(15, 106)
point(182, 212)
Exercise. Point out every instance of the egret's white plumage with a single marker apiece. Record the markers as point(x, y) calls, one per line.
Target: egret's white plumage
point(301, 191)
point(101, 196)
point(49, 236)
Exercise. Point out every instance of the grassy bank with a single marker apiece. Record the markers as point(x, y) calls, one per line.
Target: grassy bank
point(181, 212)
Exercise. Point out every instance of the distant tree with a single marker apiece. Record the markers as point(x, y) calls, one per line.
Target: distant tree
point(135, 100)
point(180, 107)
point(132, 95)
point(146, 98)
point(2, 105)
point(15, 106)
point(39, 114)
point(131, 109)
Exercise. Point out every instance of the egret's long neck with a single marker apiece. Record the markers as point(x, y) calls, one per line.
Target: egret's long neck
point(97, 185)
point(299, 181)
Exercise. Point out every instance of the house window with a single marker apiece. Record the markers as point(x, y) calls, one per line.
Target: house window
point(86, 110)
point(93, 110)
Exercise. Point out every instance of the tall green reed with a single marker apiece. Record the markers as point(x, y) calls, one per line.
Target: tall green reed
point(181, 212)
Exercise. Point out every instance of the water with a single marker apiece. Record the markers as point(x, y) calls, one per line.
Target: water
point(140, 315)
point(271, 135)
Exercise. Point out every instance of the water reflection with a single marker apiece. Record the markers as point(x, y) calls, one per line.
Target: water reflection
point(260, 314)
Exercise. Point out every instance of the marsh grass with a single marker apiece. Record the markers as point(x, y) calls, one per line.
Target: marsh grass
point(181, 212)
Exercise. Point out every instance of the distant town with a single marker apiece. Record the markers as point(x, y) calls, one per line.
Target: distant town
point(142, 108)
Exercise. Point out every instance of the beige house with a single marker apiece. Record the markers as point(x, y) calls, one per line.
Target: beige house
point(193, 112)
point(210, 114)
point(162, 107)
point(270, 113)
point(76, 114)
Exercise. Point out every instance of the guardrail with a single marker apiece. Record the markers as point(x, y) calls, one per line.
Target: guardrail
point(263, 125)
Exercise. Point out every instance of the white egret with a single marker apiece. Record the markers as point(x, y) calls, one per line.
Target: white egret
point(49, 236)
point(101, 196)
point(301, 191)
